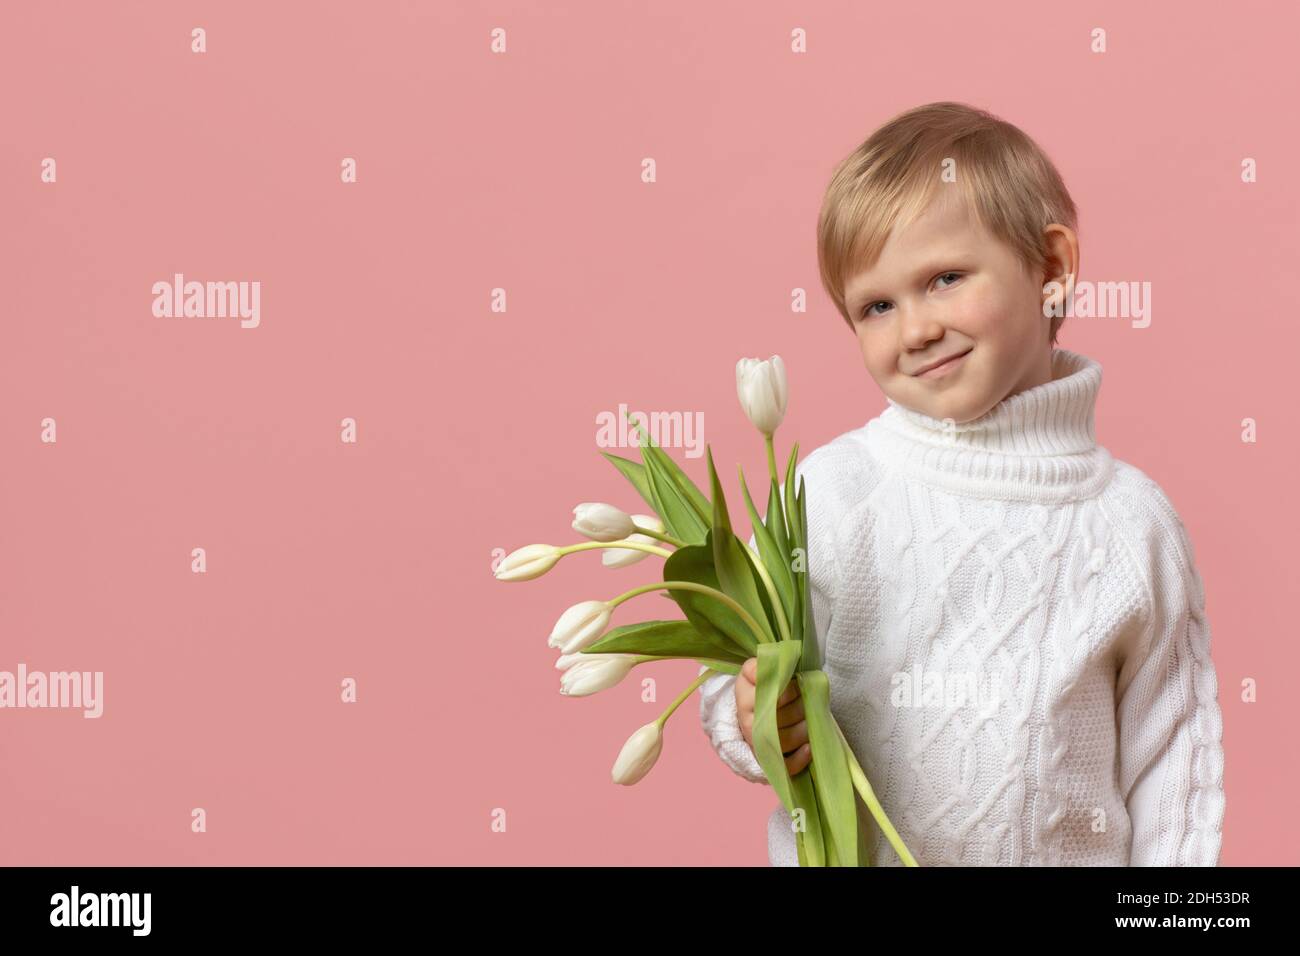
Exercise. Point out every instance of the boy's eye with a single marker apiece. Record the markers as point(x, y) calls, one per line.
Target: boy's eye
point(868, 311)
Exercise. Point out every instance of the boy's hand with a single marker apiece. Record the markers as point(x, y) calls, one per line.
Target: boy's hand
point(792, 728)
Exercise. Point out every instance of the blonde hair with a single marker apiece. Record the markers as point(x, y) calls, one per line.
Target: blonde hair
point(1006, 180)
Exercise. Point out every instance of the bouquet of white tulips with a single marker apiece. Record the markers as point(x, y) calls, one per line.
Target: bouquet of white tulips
point(738, 603)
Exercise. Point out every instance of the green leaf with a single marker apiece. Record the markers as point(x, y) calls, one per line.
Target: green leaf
point(635, 473)
point(680, 519)
point(688, 488)
point(812, 660)
point(731, 560)
point(677, 478)
point(776, 667)
point(776, 526)
point(776, 523)
point(798, 545)
point(770, 554)
point(830, 768)
point(791, 513)
point(789, 493)
point(709, 615)
point(764, 598)
point(828, 836)
point(666, 640)
point(720, 517)
point(812, 842)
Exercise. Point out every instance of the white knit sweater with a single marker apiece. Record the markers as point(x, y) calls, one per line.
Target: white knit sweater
point(1015, 554)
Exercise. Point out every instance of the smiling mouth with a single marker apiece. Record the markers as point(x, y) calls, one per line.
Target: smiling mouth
point(945, 366)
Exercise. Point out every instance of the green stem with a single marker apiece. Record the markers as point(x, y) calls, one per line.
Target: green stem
point(726, 599)
point(652, 533)
point(771, 459)
point(632, 545)
point(869, 798)
point(690, 689)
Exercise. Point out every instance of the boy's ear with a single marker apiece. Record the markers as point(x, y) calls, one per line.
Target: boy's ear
point(1061, 255)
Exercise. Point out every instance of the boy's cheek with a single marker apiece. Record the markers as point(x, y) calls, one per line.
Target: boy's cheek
point(880, 359)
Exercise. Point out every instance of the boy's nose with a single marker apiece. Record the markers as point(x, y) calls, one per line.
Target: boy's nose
point(919, 327)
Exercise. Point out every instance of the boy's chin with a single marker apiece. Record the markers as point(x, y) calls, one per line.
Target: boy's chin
point(957, 404)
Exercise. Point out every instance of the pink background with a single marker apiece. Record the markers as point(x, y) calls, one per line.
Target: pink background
point(476, 429)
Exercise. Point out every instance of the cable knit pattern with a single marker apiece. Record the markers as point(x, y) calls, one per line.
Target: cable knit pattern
point(1015, 635)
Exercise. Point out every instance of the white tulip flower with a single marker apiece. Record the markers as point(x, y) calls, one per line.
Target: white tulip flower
point(622, 557)
point(638, 754)
point(530, 561)
point(761, 387)
point(601, 522)
point(596, 672)
point(580, 626)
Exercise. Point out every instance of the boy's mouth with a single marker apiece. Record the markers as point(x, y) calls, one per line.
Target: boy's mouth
point(941, 366)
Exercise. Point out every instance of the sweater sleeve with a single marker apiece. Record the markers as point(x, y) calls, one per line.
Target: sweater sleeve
point(1169, 722)
point(718, 717)
point(718, 693)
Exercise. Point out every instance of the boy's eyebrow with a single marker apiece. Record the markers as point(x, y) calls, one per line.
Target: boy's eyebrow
point(946, 261)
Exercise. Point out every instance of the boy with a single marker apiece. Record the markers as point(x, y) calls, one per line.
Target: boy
point(1011, 619)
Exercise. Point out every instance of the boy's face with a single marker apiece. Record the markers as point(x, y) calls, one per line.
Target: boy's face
point(944, 287)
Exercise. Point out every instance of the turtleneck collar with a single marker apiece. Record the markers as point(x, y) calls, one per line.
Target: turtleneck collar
point(1038, 445)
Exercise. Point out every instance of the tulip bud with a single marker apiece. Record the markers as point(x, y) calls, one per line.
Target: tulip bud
point(622, 557)
point(580, 626)
point(596, 672)
point(601, 522)
point(761, 387)
point(638, 754)
point(565, 661)
point(530, 561)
